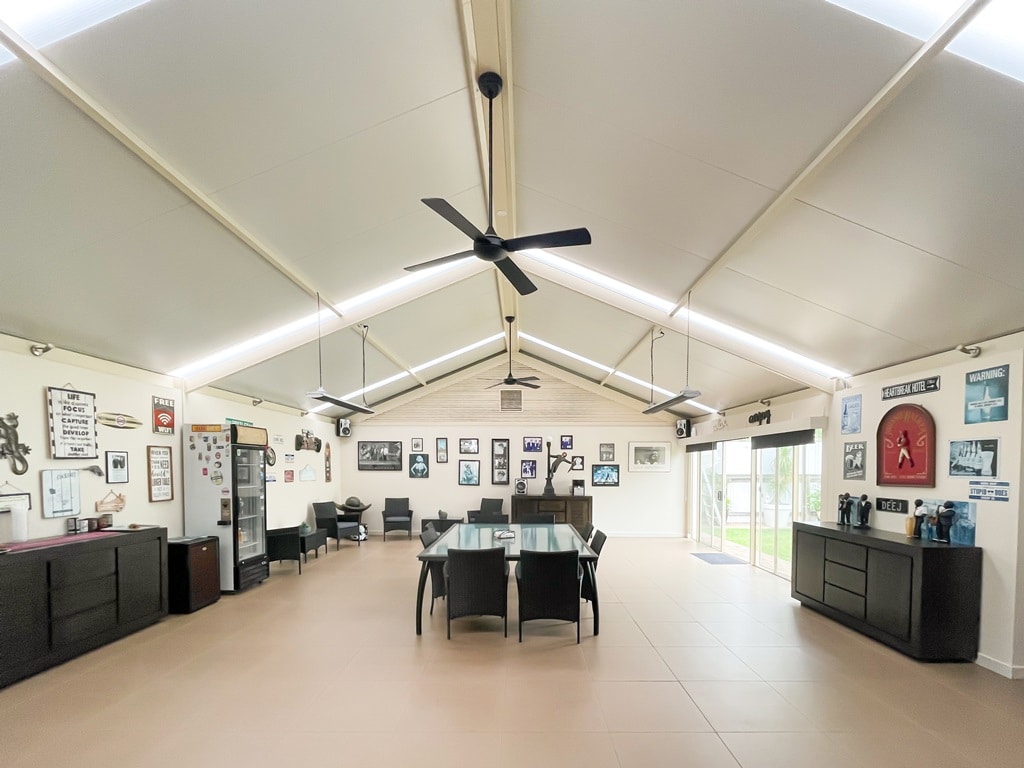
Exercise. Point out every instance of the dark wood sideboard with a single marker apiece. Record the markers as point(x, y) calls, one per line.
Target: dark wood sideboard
point(921, 597)
point(576, 510)
point(58, 602)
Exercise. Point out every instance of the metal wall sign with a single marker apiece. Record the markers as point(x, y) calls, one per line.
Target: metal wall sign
point(899, 506)
point(72, 424)
point(989, 490)
point(918, 387)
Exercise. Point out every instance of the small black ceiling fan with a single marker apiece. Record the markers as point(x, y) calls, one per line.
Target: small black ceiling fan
point(487, 245)
point(510, 380)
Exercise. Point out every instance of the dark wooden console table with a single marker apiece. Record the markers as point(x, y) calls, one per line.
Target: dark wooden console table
point(921, 597)
point(575, 510)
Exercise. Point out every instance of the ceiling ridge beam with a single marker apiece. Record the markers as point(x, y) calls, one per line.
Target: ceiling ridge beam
point(873, 108)
point(646, 335)
point(60, 82)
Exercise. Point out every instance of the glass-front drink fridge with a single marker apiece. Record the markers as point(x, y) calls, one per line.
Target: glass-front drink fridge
point(226, 496)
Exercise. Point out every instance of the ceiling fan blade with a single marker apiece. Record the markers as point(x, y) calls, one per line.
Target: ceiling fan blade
point(560, 239)
point(446, 211)
point(323, 397)
point(525, 383)
point(516, 276)
point(527, 378)
point(437, 262)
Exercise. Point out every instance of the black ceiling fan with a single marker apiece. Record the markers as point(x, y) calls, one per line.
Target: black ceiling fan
point(510, 380)
point(488, 246)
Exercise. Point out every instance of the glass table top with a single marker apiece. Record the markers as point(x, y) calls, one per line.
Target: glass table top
point(557, 537)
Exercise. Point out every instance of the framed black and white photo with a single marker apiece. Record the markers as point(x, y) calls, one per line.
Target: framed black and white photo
point(974, 458)
point(606, 451)
point(649, 457)
point(416, 445)
point(117, 467)
point(419, 465)
point(158, 468)
point(577, 463)
point(604, 475)
point(528, 468)
point(441, 450)
point(469, 445)
point(469, 472)
point(499, 461)
point(532, 445)
point(379, 455)
point(566, 442)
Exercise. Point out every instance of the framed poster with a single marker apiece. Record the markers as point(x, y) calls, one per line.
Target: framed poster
point(61, 496)
point(419, 465)
point(850, 419)
point(606, 451)
point(163, 415)
point(974, 458)
point(577, 463)
point(905, 447)
point(649, 457)
point(379, 455)
point(532, 445)
point(442, 450)
point(158, 467)
point(72, 416)
point(469, 445)
point(416, 445)
point(985, 395)
point(566, 442)
point(15, 498)
point(469, 472)
point(854, 455)
point(499, 461)
point(604, 475)
point(117, 467)
point(528, 468)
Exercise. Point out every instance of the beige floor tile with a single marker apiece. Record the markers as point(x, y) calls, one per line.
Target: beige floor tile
point(746, 706)
point(532, 705)
point(616, 663)
point(678, 633)
point(787, 750)
point(746, 633)
point(647, 707)
point(665, 610)
point(557, 750)
point(717, 663)
point(785, 663)
point(660, 750)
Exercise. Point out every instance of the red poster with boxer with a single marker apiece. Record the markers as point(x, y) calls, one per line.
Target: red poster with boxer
point(906, 447)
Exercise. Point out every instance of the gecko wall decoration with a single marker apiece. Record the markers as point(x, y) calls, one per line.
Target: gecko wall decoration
point(10, 448)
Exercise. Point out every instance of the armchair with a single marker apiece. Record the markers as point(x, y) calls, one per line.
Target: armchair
point(327, 517)
point(397, 516)
point(489, 512)
point(549, 587)
point(284, 544)
point(476, 581)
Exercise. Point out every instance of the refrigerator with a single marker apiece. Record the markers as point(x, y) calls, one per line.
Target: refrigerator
point(224, 468)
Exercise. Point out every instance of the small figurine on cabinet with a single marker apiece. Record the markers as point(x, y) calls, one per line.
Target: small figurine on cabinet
point(944, 520)
point(920, 512)
point(863, 510)
point(845, 505)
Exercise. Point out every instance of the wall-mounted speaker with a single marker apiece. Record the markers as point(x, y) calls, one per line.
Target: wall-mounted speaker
point(682, 428)
point(521, 486)
point(344, 428)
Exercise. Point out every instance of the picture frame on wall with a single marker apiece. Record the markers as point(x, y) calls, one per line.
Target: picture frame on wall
point(469, 445)
point(117, 467)
point(160, 472)
point(379, 455)
point(650, 457)
point(469, 472)
point(419, 466)
point(61, 494)
point(416, 445)
point(528, 468)
point(499, 461)
point(533, 444)
point(606, 451)
point(577, 464)
point(604, 475)
point(565, 441)
point(974, 458)
point(441, 450)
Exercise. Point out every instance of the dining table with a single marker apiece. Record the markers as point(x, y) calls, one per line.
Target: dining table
point(538, 537)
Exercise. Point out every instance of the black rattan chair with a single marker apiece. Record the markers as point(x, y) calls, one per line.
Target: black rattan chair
point(397, 516)
point(541, 518)
point(549, 587)
point(587, 589)
point(476, 581)
point(284, 544)
point(480, 517)
point(587, 531)
point(428, 537)
point(327, 517)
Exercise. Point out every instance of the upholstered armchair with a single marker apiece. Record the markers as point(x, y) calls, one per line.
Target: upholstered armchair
point(327, 517)
point(397, 516)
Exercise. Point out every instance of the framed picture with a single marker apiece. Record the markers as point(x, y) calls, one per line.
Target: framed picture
point(577, 463)
point(604, 475)
point(61, 495)
point(649, 457)
point(442, 450)
point(419, 465)
point(532, 445)
point(566, 442)
point(469, 445)
point(528, 468)
point(905, 447)
point(499, 461)
point(416, 445)
point(72, 416)
point(974, 458)
point(606, 451)
point(469, 472)
point(379, 455)
point(117, 467)
point(158, 468)
point(9, 501)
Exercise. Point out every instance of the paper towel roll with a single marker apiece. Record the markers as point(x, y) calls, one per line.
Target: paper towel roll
point(19, 521)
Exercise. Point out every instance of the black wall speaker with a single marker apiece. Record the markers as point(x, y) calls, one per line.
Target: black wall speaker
point(344, 428)
point(520, 486)
point(682, 428)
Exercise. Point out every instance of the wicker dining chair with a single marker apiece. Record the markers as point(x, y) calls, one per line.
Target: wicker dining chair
point(549, 587)
point(436, 568)
point(587, 589)
point(476, 581)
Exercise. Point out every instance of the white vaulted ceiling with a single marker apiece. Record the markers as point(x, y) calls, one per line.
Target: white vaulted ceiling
point(182, 177)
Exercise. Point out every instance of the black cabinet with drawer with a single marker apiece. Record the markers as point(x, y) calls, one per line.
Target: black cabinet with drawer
point(921, 597)
point(193, 572)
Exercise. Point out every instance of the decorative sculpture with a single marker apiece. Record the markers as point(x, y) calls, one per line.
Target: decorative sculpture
point(845, 505)
point(944, 520)
point(558, 460)
point(10, 448)
point(863, 510)
point(920, 512)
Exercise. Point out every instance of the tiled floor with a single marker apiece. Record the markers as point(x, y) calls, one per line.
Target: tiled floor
point(696, 665)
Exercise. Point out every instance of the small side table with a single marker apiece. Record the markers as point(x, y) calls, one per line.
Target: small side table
point(313, 541)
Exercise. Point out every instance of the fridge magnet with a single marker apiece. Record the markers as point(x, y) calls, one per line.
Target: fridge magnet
point(163, 416)
point(985, 395)
point(72, 417)
point(160, 472)
point(419, 465)
point(974, 458)
point(117, 467)
point(60, 493)
point(118, 420)
point(905, 447)
point(10, 449)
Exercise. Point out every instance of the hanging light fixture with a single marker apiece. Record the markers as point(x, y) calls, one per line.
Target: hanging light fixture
point(320, 393)
point(687, 393)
